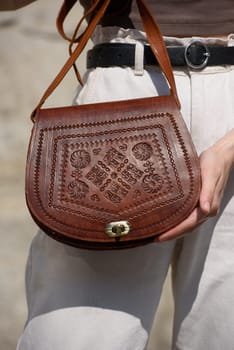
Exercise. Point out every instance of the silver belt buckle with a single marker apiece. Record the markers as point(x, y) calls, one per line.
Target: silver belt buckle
point(205, 54)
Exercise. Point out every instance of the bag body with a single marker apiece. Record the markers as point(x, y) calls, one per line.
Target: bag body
point(112, 175)
point(129, 165)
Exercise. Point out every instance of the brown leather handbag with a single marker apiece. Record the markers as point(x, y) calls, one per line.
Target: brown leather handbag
point(112, 175)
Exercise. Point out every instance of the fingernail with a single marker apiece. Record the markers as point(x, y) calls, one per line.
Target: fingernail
point(162, 239)
point(158, 239)
point(206, 206)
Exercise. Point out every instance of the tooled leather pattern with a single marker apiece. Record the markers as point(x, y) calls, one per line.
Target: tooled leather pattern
point(112, 174)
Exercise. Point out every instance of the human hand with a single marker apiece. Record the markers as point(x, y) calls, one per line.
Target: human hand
point(216, 163)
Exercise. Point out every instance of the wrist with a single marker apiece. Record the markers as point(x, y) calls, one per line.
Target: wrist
point(225, 147)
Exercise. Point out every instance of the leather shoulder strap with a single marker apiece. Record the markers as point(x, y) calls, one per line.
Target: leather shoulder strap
point(63, 12)
point(157, 45)
point(71, 60)
point(153, 34)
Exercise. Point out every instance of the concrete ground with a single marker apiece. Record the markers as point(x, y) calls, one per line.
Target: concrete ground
point(31, 53)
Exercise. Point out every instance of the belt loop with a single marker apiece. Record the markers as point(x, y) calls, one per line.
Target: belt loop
point(139, 59)
point(231, 39)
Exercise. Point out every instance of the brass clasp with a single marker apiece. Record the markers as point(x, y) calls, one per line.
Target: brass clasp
point(117, 229)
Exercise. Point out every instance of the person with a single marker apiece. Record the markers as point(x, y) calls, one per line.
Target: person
point(79, 299)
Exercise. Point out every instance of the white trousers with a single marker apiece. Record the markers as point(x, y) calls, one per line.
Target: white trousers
point(83, 300)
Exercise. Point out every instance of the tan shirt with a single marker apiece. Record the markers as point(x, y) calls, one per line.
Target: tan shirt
point(180, 17)
point(7, 5)
point(175, 17)
point(191, 17)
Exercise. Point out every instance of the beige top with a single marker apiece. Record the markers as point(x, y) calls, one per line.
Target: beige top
point(7, 5)
point(191, 17)
point(178, 17)
point(175, 17)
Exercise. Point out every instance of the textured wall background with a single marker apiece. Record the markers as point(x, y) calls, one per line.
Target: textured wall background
point(31, 54)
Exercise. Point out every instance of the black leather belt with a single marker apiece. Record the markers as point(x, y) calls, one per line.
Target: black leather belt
point(196, 55)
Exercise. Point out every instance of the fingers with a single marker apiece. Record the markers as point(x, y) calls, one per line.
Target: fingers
point(213, 183)
point(196, 218)
point(215, 170)
point(206, 200)
point(208, 191)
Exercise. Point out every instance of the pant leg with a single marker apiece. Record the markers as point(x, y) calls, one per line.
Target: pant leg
point(81, 298)
point(204, 270)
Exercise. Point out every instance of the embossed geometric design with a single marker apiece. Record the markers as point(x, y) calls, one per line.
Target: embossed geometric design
point(80, 159)
point(131, 174)
point(96, 175)
point(142, 151)
point(114, 174)
point(113, 158)
point(115, 193)
point(95, 198)
point(152, 183)
point(78, 189)
point(123, 147)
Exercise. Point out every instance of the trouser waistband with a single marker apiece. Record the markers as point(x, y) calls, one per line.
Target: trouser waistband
point(196, 55)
